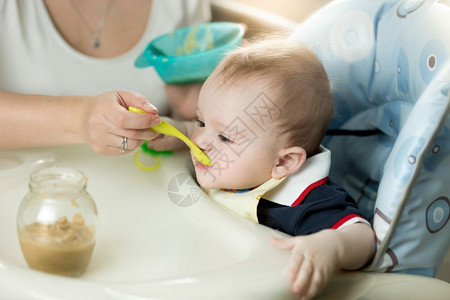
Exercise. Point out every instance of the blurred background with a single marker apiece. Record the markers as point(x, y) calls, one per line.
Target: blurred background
point(295, 10)
point(266, 16)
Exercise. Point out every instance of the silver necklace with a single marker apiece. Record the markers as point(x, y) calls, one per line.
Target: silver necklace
point(95, 34)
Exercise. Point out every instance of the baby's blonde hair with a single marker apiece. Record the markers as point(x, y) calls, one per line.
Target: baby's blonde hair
point(297, 79)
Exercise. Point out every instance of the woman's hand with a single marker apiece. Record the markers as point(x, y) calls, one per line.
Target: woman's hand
point(313, 259)
point(107, 121)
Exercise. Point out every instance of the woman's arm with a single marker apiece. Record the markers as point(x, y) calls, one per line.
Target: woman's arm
point(100, 121)
point(314, 257)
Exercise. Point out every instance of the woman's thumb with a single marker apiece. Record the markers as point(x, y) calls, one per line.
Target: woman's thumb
point(136, 100)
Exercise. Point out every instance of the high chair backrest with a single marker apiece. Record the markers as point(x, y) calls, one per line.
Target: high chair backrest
point(388, 64)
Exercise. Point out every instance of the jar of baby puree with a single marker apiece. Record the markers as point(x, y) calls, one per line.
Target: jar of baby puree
point(57, 222)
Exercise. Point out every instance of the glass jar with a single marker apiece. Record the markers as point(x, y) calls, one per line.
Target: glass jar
point(57, 222)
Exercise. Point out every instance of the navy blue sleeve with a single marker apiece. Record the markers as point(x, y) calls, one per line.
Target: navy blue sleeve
point(322, 208)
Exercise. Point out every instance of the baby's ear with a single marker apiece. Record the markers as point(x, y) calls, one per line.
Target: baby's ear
point(289, 161)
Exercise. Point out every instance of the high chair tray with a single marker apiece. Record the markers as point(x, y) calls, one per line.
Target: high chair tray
point(150, 244)
point(154, 245)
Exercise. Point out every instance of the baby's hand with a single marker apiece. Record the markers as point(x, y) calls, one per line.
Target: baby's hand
point(166, 142)
point(313, 260)
point(183, 100)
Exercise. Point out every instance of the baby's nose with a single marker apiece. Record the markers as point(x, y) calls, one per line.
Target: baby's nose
point(202, 140)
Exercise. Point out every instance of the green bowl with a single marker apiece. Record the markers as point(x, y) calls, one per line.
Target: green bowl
point(190, 54)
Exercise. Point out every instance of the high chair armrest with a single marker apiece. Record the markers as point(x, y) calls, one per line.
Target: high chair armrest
point(374, 286)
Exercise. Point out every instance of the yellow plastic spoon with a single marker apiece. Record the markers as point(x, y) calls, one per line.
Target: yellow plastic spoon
point(166, 128)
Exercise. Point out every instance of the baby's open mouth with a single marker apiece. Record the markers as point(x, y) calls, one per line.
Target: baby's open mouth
point(198, 165)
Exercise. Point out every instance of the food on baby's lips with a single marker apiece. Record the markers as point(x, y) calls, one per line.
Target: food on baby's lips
point(63, 248)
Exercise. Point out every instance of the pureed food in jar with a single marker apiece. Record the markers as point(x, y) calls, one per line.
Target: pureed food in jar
point(63, 248)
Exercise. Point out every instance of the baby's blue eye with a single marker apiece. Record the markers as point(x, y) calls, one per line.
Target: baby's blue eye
point(200, 123)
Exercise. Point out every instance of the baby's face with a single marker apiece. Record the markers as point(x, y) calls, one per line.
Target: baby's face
point(235, 129)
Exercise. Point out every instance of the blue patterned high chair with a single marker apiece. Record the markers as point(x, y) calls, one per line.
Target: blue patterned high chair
point(390, 140)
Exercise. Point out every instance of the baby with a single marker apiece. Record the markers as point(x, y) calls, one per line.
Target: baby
point(261, 117)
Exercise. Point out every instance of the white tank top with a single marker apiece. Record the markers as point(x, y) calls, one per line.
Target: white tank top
point(36, 59)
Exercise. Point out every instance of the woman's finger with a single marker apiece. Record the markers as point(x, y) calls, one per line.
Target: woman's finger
point(115, 145)
point(104, 132)
point(111, 151)
point(129, 98)
point(137, 134)
point(118, 114)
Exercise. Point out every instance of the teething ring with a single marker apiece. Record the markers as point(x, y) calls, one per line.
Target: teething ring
point(144, 167)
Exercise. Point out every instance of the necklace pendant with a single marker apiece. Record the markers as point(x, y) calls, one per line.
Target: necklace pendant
point(94, 33)
point(96, 38)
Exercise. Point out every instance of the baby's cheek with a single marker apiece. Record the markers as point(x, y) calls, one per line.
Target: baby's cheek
point(223, 174)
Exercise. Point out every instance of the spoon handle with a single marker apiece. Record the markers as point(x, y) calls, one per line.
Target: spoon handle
point(167, 129)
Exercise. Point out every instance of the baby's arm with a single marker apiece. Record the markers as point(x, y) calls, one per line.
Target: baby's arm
point(314, 257)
